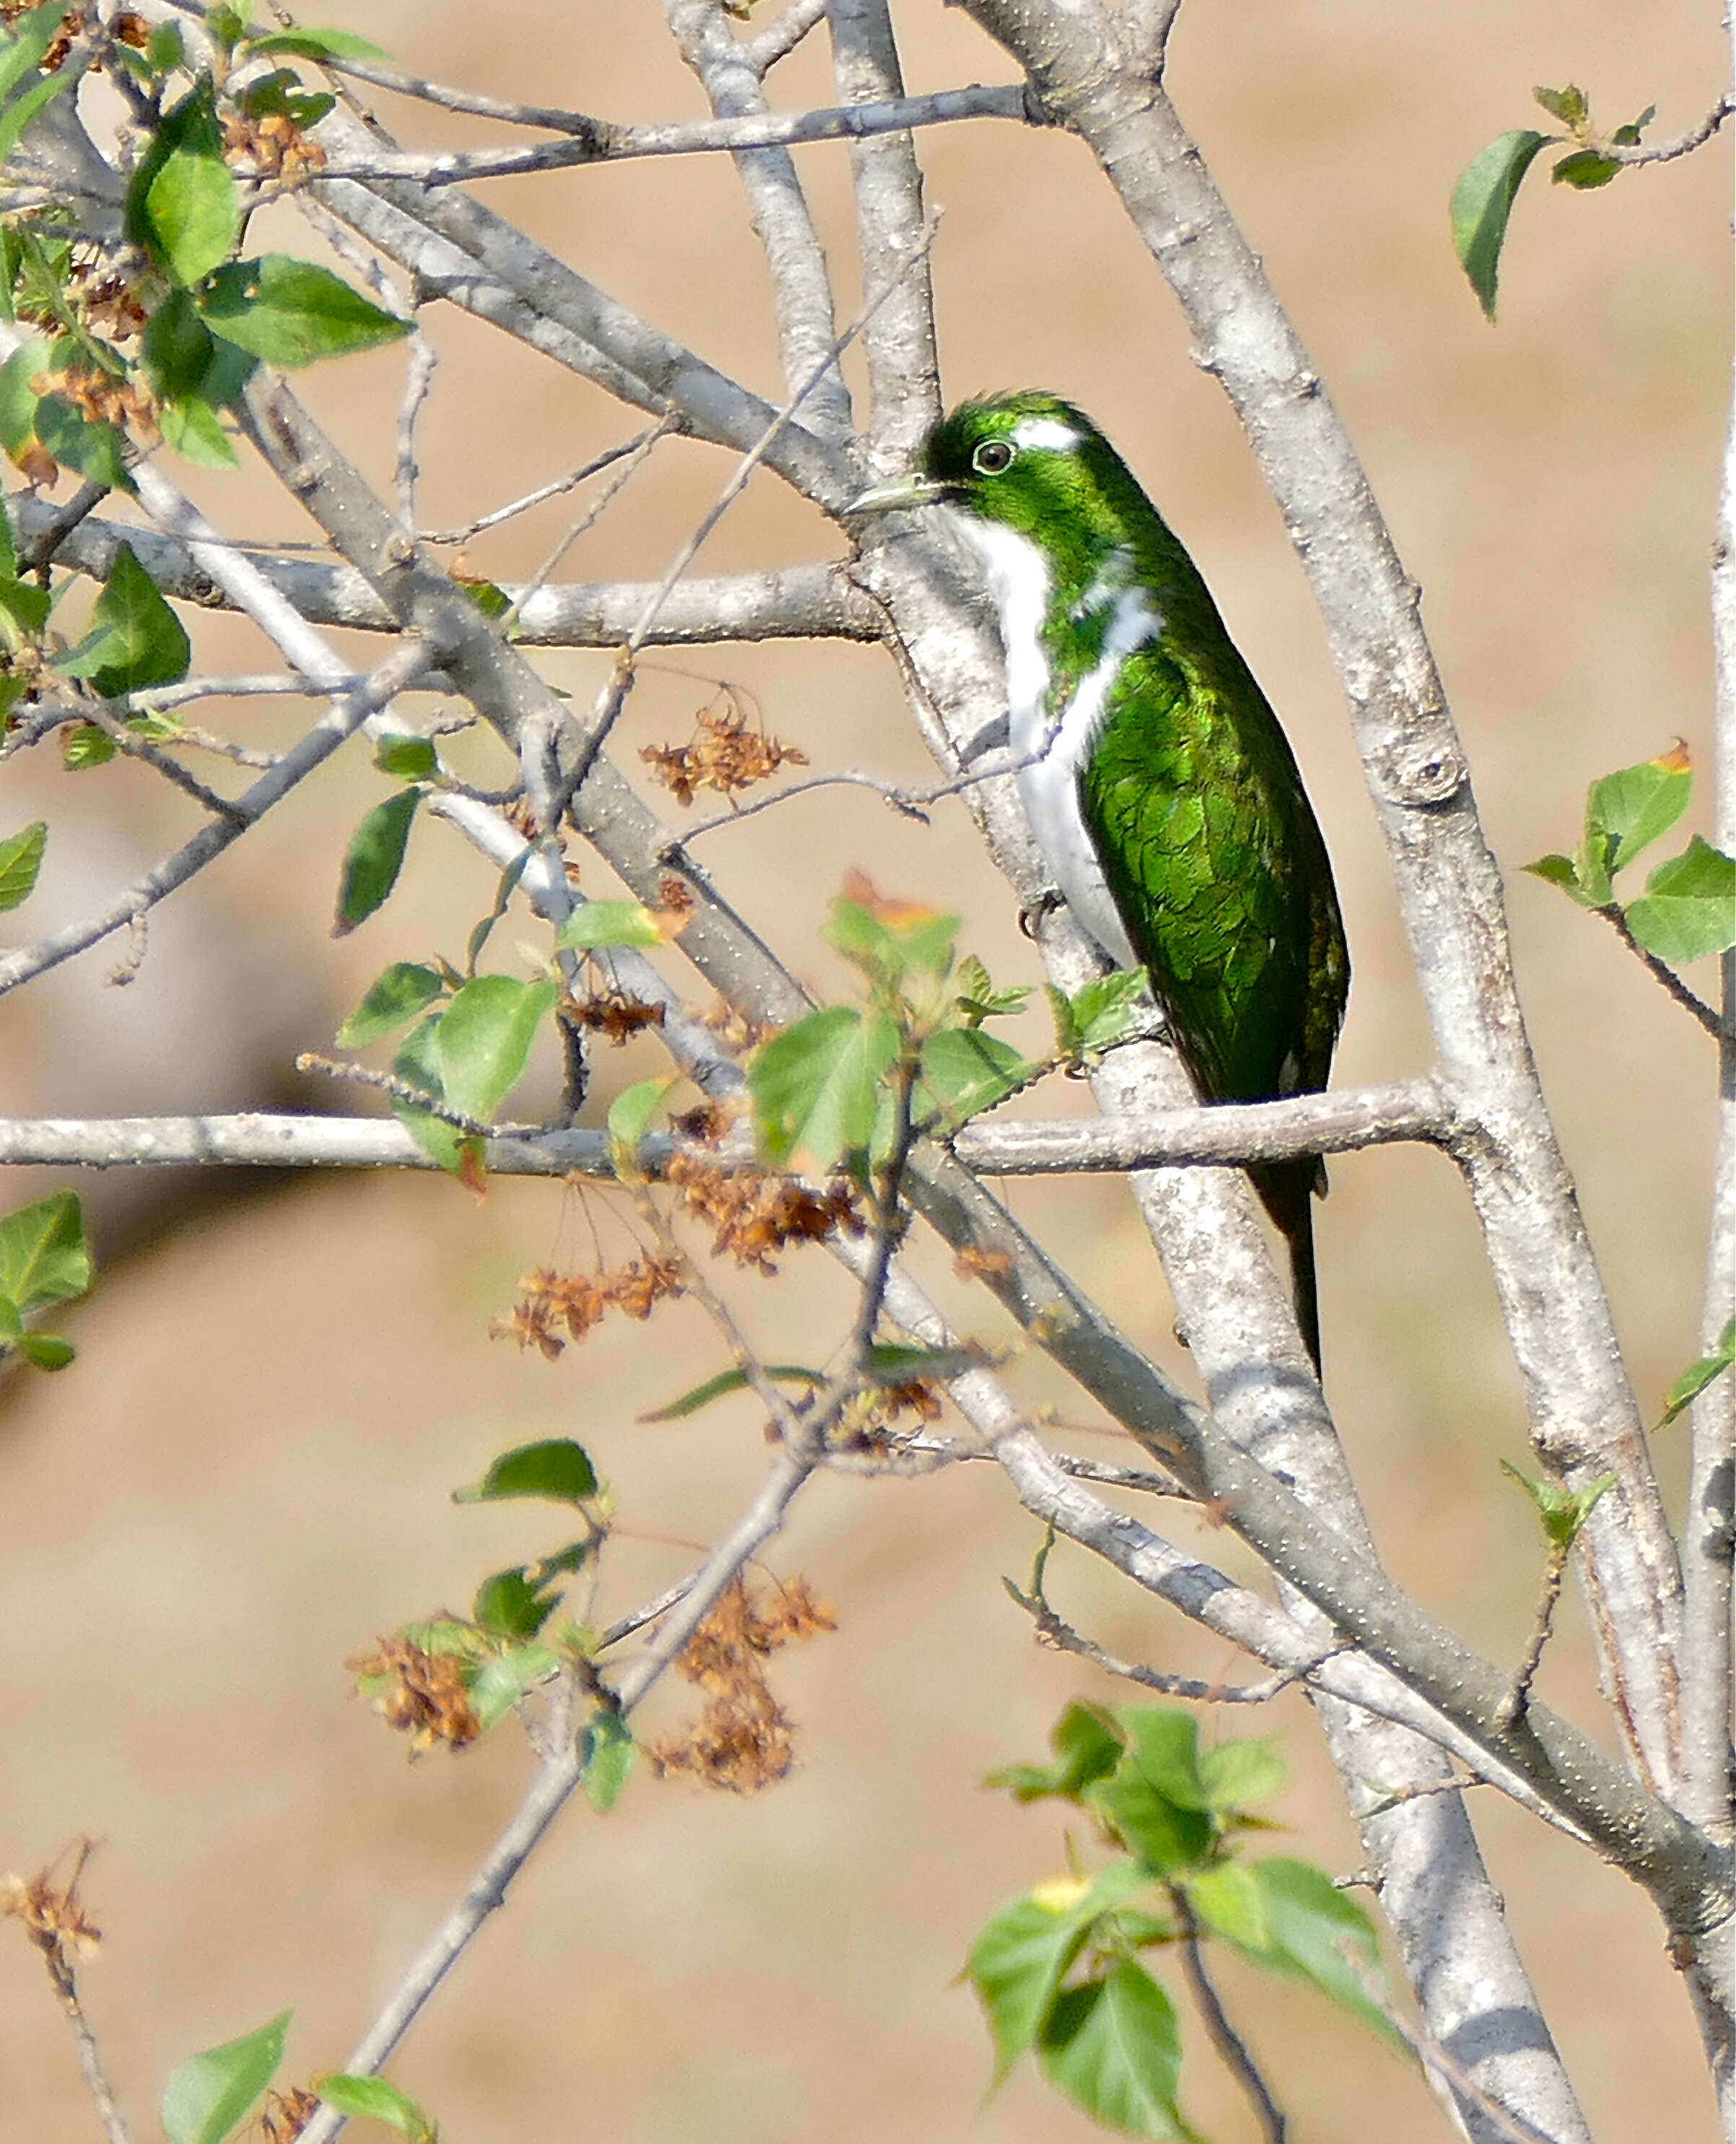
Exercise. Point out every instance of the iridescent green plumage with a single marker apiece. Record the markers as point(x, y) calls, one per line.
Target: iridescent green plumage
point(1164, 794)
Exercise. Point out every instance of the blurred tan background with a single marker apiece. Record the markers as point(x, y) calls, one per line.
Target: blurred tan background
point(246, 1477)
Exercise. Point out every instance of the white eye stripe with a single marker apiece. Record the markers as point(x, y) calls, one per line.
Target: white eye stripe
point(1048, 432)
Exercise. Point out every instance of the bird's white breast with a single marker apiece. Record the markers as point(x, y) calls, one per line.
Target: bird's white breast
point(1054, 741)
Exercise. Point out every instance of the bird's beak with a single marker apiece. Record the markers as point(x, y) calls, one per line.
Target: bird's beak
point(899, 494)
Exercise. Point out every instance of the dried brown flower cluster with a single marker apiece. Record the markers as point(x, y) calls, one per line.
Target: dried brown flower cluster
point(613, 1015)
point(556, 1307)
point(743, 1739)
point(733, 1029)
point(423, 1693)
point(752, 1214)
point(53, 1914)
point(100, 396)
point(275, 143)
point(724, 754)
point(286, 2114)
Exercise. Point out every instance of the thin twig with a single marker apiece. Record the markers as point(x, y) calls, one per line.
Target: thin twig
point(1667, 975)
point(1054, 1631)
point(1665, 152)
point(345, 716)
point(419, 378)
point(780, 38)
point(591, 467)
point(1232, 2048)
point(630, 459)
point(1520, 1696)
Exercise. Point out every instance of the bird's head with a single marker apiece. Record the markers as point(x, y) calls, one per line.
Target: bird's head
point(1029, 462)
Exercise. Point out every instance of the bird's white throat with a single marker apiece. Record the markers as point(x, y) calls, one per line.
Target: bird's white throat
point(1054, 741)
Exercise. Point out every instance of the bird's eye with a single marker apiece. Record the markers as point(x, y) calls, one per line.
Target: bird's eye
point(992, 457)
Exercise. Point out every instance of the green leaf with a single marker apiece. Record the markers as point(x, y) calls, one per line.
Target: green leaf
point(1112, 2046)
point(25, 605)
point(629, 1120)
point(600, 923)
point(816, 1087)
point(1628, 136)
point(45, 1350)
point(1567, 105)
point(506, 1681)
point(1017, 1963)
point(1695, 1378)
point(557, 1468)
point(135, 639)
point(1562, 1511)
point(1104, 1012)
point(968, 1071)
point(896, 1362)
point(291, 312)
point(194, 429)
point(24, 107)
point(889, 941)
point(1562, 871)
point(314, 44)
point(1322, 1936)
point(88, 745)
point(417, 1062)
point(407, 757)
point(44, 1255)
point(372, 2099)
point(1482, 203)
point(97, 451)
point(26, 44)
point(510, 1606)
point(183, 204)
point(1165, 1837)
point(21, 859)
point(1633, 806)
point(210, 2095)
point(1584, 169)
point(1236, 1774)
point(978, 998)
point(731, 1380)
point(373, 859)
point(485, 1038)
point(392, 998)
point(1163, 1746)
point(607, 1760)
point(1087, 1747)
point(1156, 1799)
point(1227, 1899)
point(503, 892)
point(1688, 908)
point(165, 50)
point(18, 398)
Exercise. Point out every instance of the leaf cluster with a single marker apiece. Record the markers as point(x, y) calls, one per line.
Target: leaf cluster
point(823, 1089)
point(211, 2094)
point(1059, 1971)
point(1688, 908)
point(45, 1258)
point(1486, 189)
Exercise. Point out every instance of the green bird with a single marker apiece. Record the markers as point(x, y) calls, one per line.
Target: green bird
point(1163, 795)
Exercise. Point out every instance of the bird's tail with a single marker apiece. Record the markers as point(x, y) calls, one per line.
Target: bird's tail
point(1286, 1189)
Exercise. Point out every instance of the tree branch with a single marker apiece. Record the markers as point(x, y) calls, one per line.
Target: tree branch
point(793, 602)
point(1339, 1122)
point(598, 140)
